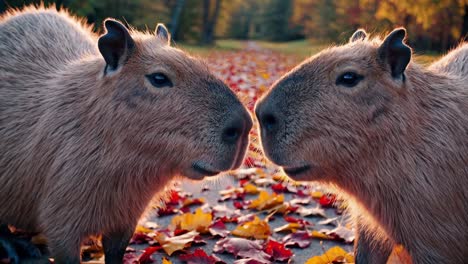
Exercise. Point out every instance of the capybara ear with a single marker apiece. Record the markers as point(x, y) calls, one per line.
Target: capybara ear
point(115, 45)
point(395, 53)
point(360, 34)
point(162, 33)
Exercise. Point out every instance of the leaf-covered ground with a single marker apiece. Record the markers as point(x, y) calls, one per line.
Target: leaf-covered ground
point(253, 215)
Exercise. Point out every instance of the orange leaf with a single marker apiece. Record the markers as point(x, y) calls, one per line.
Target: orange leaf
point(251, 189)
point(198, 221)
point(266, 201)
point(331, 256)
point(257, 228)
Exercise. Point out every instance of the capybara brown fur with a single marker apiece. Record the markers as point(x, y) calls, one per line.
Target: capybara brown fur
point(92, 127)
point(390, 134)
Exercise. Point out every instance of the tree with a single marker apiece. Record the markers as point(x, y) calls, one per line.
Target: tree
point(174, 25)
point(210, 18)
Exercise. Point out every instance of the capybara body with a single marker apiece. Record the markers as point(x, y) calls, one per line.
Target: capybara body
point(392, 135)
point(92, 128)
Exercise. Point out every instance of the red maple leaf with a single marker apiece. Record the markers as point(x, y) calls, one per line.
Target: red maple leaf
point(327, 200)
point(199, 256)
point(146, 256)
point(277, 250)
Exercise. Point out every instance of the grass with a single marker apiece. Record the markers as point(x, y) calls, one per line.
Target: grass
point(299, 48)
point(221, 45)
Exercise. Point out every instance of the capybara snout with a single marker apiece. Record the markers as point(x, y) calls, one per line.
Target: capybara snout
point(227, 132)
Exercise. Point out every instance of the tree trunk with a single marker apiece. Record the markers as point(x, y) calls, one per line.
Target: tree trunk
point(209, 21)
point(464, 31)
point(174, 26)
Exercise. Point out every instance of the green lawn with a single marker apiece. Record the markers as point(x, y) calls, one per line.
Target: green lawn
point(300, 48)
point(221, 45)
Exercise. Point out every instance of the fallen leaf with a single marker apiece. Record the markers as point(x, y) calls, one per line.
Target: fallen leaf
point(303, 201)
point(166, 261)
point(218, 228)
point(199, 256)
point(193, 201)
point(319, 235)
point(340, 233)
point(130, 258)
point(251, 189)
point(250, 261)
point(243, 248)
point(246, 218)
point(278, 188)
point(198, 221)
point(303, 222)
point(172, 244)
point(257, 228)
point(327, 200)
point(146, 256)
point(399, 255)
point(223, 211)
point(300, 239)
point(289, 227)
point(317, 211)
point(316, 194)
point(329, 221)
point(266, 201)
point(277, 250)
point(332, 255)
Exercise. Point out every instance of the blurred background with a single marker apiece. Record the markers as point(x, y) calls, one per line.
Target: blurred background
point(433, 25)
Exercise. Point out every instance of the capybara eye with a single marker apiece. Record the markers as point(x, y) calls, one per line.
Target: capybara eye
point(159, 80)
point(349, 79)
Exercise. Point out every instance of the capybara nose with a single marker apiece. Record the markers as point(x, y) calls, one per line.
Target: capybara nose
point(267, 117)
point(237, 125)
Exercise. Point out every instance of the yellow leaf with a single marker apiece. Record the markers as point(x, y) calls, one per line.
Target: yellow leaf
point(262, 88)
point(399, 255)
point(266, 201)
point(316, 194)
point(190, 201)
point(292, 227)
point(142, 229)
point(166, 261)
point(334, 253)
point(257, 228)
point(172, 244)
point(199, 221)
point(251, 189)
point(319, 235)
point(279, 177)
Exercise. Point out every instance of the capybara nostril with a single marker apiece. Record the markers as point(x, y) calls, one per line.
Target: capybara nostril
point(266, 117)
point(237, 126)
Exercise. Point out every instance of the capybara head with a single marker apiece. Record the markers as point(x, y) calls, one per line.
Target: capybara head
point(328, 111)
point(168, 107)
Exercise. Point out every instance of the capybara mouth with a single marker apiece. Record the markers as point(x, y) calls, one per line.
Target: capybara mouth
point(203, 170)
point(294, 171)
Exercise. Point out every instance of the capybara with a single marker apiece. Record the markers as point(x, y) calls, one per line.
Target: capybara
point(92, 127)
point(391, 134)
